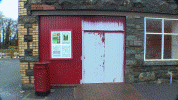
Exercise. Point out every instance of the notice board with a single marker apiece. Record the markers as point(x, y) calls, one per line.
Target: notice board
point(61, 44)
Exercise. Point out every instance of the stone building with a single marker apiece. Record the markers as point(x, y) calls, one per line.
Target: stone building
point(99, 41)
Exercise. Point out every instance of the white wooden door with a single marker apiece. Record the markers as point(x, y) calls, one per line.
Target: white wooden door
point(93, 59)
point(114, 57)
point(102, 50)
point(102, 60)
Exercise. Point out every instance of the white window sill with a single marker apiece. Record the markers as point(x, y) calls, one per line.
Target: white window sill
point(160, 62)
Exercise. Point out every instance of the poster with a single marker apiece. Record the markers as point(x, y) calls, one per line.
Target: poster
point(56, 50)
point(61, 44)
point(66, 51)
point(56, 38)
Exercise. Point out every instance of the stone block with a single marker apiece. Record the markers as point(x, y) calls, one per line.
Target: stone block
point(131, 62)
point(130, 56)
point(128, 71)
point(141, 69)
point(129, 31)
point(140, 50)
point(131, 37)
point(136, 16)
point(128, 67)
point(28, 38)
point(163, 75)
point(131, 78)
point(22, 0)
point(35, 1)
point(28, 52)
point(146, 76)
point(27, 86)
point(28, 25)
point(160, 81)
point(130, 51)
point(156, 68)
point(29, 72)
point(134, 43)
point(129, 17)
point(136, 74)
point(140, 36)
point(137, 26)
point(139, 56)
point(138, 43)
point(126, 78)
point(130, 25)
point(127, 44)
point(27, 19)
point(29, 58)
point(131, 42)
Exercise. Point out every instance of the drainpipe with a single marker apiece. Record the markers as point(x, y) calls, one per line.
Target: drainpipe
point(170, 76)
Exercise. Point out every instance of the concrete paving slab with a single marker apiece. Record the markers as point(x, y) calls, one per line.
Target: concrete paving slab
point(62, 93)
point(107, 91)
point(32, 96)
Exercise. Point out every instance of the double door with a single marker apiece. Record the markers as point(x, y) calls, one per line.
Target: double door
point(103, 57)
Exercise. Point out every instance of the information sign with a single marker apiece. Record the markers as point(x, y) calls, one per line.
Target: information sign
point(61, 44)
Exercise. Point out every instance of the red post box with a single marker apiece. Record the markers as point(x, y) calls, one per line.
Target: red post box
point(41, 78)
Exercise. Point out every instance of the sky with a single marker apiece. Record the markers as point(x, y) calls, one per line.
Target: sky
point(9, 8)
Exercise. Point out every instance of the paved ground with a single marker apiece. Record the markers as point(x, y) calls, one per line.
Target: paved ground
point(158, 91)
point(107, 91)
point(66, 93)
point(10, 80)
point(10, 88)
point(112, 91)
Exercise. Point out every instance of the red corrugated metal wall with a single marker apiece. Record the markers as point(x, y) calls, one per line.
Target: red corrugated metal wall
point(66, 71)
point(62, 71)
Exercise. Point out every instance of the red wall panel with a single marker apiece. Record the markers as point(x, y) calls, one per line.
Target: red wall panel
point(62, 71)
point(66, 71)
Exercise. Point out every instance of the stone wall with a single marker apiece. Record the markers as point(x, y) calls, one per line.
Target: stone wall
point(28, 45)
point(136, 69)
point(143, 6)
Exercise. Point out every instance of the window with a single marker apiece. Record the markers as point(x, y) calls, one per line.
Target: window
point(161, 39)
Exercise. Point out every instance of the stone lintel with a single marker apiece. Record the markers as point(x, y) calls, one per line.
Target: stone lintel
point(29, 58)
point(25, 19)
point(27, 86)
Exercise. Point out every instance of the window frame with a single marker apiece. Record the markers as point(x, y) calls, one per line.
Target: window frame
point(162, 41)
